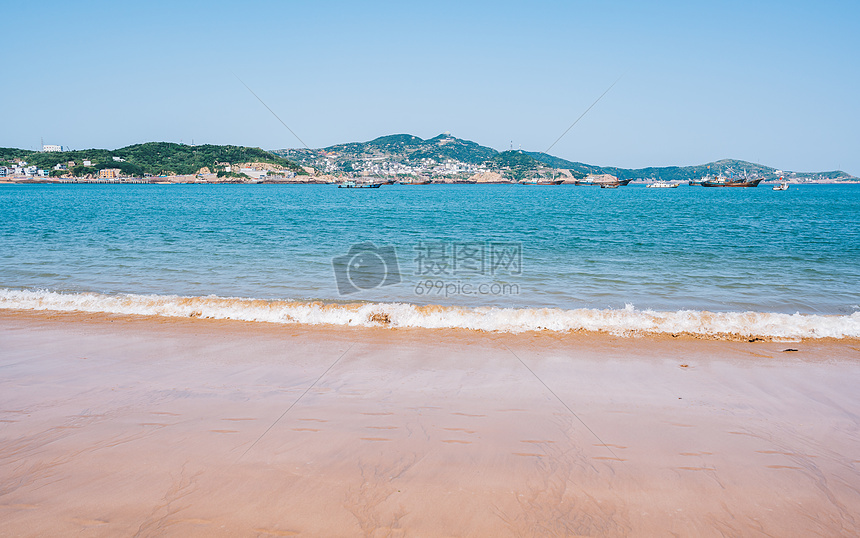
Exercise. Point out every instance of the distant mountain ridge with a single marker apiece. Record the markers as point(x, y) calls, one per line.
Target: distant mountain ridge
point(398, 155)
point(413, 148)
point(408, 152)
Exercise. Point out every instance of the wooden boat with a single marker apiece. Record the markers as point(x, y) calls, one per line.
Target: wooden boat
point(591, 183)
point(733, 182)
point(723, 181)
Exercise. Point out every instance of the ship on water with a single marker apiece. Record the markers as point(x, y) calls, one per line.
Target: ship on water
point(599, 180)
point(662, 185)
point(542, 182)
point(722, 181)
point(351, 184)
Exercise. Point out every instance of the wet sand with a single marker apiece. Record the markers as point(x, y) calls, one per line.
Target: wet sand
point(142, 426)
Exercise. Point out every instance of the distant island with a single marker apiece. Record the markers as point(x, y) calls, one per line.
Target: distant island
point(149, 161)
point(400, 157)
point(450, 159)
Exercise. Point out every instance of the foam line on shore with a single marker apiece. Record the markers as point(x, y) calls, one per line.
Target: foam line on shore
point(626, 322)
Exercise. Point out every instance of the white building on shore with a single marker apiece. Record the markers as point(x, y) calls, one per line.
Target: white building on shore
point(253, 173)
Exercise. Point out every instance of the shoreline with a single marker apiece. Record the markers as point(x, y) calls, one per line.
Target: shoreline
point(398, 315)
point(190, 427)
point(193, 180)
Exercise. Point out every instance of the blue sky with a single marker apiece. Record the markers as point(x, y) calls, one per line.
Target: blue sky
point(769, 82)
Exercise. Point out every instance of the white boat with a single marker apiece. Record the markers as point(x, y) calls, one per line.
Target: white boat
point(350, 184)
point(783, 186)
point(662, 185)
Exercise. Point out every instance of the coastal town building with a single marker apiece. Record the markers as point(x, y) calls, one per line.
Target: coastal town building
point(253, 173)
point(109, 173)
point(51, 148)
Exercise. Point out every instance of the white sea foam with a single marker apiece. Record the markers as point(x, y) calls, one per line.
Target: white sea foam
point(627, 321)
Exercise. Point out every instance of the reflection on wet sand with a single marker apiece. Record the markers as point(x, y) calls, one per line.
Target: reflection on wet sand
point(180, 429)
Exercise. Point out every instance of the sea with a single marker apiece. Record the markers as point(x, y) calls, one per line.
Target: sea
point(749, 262)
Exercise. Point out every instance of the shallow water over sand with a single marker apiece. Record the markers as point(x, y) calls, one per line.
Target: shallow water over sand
point(687, 248)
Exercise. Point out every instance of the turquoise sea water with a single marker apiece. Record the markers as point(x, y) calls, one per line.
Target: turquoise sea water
point(564, 247)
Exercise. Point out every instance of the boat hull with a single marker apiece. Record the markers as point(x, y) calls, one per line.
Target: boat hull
point(619, 183)
point(543, 183)
point(367, 186)
point(751, 183)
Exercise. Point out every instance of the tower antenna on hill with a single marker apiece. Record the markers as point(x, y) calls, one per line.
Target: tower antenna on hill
point(270, 110)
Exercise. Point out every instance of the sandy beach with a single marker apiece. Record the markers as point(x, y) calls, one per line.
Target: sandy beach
point(144, 426)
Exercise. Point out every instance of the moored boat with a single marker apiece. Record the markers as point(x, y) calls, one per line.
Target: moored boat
point(350, 184)
point(542, 182)
point(599, 180)
point(662, 185)
point(783, 186)
point(722, 181)
point(732, 182)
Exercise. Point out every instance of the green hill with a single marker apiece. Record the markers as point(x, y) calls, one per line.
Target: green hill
point(684, 173)
point(401, 148)
point(156, 158)
point(515, 165)
point(408, 148)
point(421, 157)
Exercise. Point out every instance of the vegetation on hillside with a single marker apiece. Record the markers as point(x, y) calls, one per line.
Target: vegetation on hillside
point(156, 158)
point(682, 173)
point(514, 164)
point(403, 148)
point(163, 158)
point(8, 155)
point(578, 170)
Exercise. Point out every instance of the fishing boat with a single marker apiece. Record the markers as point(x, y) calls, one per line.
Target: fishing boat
point(783, 186)
point(662, 185)
point(350, 184)
point(722, 181)
point(609, 186)
point(725, 182)
point(594, 180)
point(542, 182)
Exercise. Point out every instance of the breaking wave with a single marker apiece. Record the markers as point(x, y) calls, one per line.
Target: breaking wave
point(627, 321)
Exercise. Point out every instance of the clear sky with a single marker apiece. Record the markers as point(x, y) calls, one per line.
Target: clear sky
point(769, 82)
